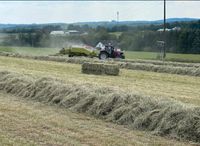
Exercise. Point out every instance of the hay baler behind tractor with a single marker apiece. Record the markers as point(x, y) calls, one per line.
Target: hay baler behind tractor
point(102, 51)
point(79, 51)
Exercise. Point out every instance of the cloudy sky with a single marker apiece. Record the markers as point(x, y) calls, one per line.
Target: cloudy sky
point(81, 11)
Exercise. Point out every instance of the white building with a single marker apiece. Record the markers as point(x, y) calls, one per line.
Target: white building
point(176, 29)
point(72, 32)
point(60, 32)
point(69, 32)
point(167, 29)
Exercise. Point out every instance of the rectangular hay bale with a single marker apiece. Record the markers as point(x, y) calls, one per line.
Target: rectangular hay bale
point(100, 68)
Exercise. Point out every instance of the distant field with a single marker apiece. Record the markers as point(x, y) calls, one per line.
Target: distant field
point(170, 56)
point(30, 50)
point(128, 54)
point(117, 34)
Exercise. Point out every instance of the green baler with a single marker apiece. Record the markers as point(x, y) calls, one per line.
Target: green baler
point(79, 51)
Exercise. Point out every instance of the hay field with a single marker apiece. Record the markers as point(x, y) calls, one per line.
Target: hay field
point(162, 117)
point(170, 56)
point(29, 50)
point(191, 69)
point(128, 54)
point(157, 96)
point(182, 88)
point(28, 123)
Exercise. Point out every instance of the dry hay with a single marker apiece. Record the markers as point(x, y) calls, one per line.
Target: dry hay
point(190, 69)
point(165, 63)
point(100, 68)
point(162, 117)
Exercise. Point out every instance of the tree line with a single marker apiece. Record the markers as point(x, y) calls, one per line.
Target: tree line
point(133, 38)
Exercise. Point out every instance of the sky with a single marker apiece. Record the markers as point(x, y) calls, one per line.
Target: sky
point(21, 12)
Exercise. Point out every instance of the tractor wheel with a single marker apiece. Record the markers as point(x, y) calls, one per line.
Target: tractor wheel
point(122, 57)
point(70, 55)
point(103, 55)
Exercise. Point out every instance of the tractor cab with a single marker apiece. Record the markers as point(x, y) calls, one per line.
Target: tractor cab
point(108, 51)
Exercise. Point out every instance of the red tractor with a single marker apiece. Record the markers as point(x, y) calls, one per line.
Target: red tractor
point(108, 51)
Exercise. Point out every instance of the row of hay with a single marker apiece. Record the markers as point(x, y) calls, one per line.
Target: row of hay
point(163, 69)
point(152, 66)
point(80, 60)
point(165, 118)
point(167, 63)
point(100, 68)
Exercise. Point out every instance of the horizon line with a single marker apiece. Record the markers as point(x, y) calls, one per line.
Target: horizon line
point(98, 21)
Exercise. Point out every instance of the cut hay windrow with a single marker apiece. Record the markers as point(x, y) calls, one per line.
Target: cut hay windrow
point(100, 69)
point(190, 69)
point(161, 117)
point(163, 69)
point(80, 60)
point(165, 63)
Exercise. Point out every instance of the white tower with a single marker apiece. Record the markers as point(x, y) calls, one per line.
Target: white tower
point(117, 16)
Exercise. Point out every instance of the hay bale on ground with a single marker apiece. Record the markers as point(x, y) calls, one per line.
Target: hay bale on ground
point(100, 68)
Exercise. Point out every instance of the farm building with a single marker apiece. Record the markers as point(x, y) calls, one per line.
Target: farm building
point(57, 32)
point(161, 29)
point(73, 32)
point(176, 29)
point(173, 29)
point(69, 32)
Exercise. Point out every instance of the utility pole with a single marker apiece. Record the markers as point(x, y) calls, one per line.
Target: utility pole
point(164, 55)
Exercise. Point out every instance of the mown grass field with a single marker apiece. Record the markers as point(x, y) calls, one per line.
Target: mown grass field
point(31, 123)
point(28, 123)
point(161, 85)
point(128, 54)
point(169, 57)
point(30, 50)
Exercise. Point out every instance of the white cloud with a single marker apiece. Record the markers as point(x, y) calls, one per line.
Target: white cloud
point(183, 9)
point(76, 11)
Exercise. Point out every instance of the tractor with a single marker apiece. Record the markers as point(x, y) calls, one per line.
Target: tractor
point(108, 51)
